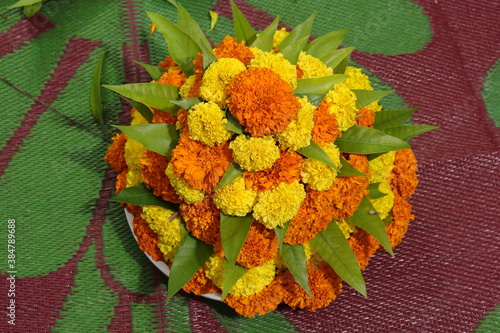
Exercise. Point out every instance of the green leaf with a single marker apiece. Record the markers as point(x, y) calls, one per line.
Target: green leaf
point(406, 132)
point(154, 71)
point(31, 10)
point(214, 17)
point(160, 138)
point(337, 57)
point(208, 56)
point(95, 91)
point(173, 2)
point(144, 110)
point(371, 223)
point(300, 31)
point(265, 40)
point(232, 273)
point(140, 195)
point(233, 172)
point(318, 86)
point(181, 46)
point(314, 99)
point(187, 103)
point(280, 233)
point(365, 97)
point(232, 124)
point(295, 260)
point(292, 51)
point(242, 28)
point(341, 67)
point(364, 140)
point(325, 44)
point(332, 246)
point(315, 152)
point(22, 3)
point(187, 24)
point(233, 232)
point(391, 118)
point(190, 257)
point(347, 170)
point(375, 193)
point(156, 95)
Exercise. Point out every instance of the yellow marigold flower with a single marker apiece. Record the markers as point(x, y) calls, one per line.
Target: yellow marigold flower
point(384, 205)
point(358, 80)
point(217, 76)
point(343, 105)
point(279, 205)
point(381, 167)
point(252, 282)
point(184, 191)
point(318, 175)
point(186, 87)
point(312, 67)
point(279, 36)
point(235, 199)
point(298, 133)
point(206, 123)
point(278, 64)
point(134, 177)
point(254, 154)
point(169, 232)
point(347, 227)
point(133, 152)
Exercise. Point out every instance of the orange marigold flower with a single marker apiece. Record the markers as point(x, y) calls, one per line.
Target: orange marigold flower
point(174, 78)
point(286, 169)
point(121, 181)
point(366, 117)
point(200, 284)
point(162, 117)
point(168, 63)
point(261, 101)
point(194, 91)
point(229, 48)
point(202, 220)
point(324, 284)
point(260, 246)
point(182, 122)
point(200, 165)
point(153, 167)
point(403, 178)
point(300, 73)
point(401, 217)
point(198, 64)
point(146, 238)
point(325, 128)
point(116, 153)
point(260, 303)
point(364, 246)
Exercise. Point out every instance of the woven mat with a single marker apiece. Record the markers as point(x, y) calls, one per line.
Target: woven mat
point(77, 266)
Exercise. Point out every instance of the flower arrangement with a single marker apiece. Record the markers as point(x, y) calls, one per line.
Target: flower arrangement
point(263, 168)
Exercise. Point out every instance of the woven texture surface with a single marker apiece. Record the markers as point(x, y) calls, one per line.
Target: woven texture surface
point(78, 268)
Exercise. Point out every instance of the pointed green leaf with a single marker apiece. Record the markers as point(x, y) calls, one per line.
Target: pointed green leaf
point(160, 138)
point(214, 17)
point(190, 257)
point(232, 124)
point(406, 132)
point(365, 97)
point(232, 273)
point(265, 40)
point(154, 71)
point(233, 232)
point(341, 67)
point(187, 24)
point(347, 170)
point(140, 195)
point(371, 223)
point(173, 2)
point(31, 10)
point(391, 118)
point(318, 86)
point(233, 172)
point(335, 58)
point(375, 193)
point(242, 28)
point(22, 3)
point(300, 31)
point(313, 98)
point(295, 260)
point(208, 56)
point(332, 246)
point(95, 91)
point(144, 110)
point(280, 233)
point(325, 44)
point(315, 152)
point(156, 95)
point(364, 140)
point(180, 45)
point(292, 51)
point(187, 103)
